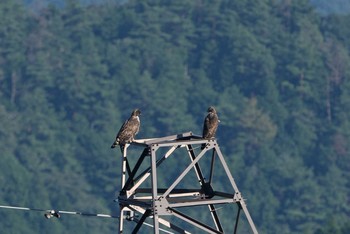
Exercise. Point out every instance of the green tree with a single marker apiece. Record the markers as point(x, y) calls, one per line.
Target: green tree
point(12, 32)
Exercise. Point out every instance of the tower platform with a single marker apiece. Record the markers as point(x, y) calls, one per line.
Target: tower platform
point(172, 183)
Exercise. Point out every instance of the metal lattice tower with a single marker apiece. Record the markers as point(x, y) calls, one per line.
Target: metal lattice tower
point(164, 205)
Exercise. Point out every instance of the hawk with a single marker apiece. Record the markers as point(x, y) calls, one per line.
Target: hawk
point(128, 130)
point(210, 125)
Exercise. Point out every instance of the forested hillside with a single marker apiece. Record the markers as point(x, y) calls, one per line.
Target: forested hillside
point(277, 72)
point(322, 6)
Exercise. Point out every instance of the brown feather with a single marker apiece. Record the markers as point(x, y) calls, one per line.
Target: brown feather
point(210, 126)
point(128, 130)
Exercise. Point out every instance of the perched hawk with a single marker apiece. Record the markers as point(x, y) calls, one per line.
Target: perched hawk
point(128, 130)
point(210, 126)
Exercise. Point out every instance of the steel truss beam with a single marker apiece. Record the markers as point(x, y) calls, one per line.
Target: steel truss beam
point(160, 203)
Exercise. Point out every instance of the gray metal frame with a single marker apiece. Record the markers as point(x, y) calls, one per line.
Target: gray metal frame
point(159, 203)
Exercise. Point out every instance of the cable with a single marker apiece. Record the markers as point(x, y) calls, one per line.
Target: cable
point(51, 213)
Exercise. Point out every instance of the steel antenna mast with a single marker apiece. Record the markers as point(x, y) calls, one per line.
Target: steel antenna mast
point(163, 205)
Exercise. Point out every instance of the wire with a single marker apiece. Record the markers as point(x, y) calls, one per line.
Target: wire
point(59, 212)
point(52, 213)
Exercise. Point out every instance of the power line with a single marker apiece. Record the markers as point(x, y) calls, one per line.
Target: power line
point(54, 213)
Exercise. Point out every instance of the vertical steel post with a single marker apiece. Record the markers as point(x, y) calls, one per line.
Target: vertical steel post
point(154, 188)
point(122, 183)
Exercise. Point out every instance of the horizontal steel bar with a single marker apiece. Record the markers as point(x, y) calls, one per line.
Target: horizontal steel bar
point(201, 202)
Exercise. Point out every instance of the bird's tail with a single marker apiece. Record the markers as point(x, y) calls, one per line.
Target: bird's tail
point(115, 143)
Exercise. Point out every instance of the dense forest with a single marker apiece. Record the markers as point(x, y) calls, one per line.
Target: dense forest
point(322, 6)
point(278, 73)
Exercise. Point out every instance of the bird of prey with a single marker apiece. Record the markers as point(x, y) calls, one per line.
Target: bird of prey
point(210, 125)
point(128, 130)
